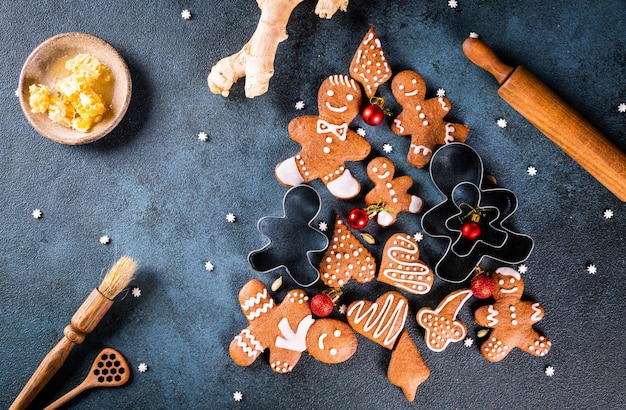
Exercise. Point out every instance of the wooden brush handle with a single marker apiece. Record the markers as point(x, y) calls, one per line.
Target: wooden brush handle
point(47, 368)
point(84, 321)
point(69, 396)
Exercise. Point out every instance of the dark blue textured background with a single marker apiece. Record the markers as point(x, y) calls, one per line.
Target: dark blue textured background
point(162, 196)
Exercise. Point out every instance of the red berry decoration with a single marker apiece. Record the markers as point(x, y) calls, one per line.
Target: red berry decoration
point(482, 286)
point(358, 218)
point(471, 230)
point(373, 114)
point(321, 305)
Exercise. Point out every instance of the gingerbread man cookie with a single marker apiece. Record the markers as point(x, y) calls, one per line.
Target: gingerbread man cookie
point(422, 118)
point(283, 329)
point(441, 324)
point(391, 193)
point(511, 319)
point(327, 142)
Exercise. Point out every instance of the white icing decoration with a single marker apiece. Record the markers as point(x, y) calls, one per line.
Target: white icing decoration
point(537, 312)
point(416, 271)
point(291, 340)
point(412, 93)
point(444, 106)
point(491, 317)
point(509, 272)
point(420, 148)
point(449, 130)
point(256, 346)
point(385, 321)
point(398, 124)
point(320, 341)
point(336, 109)
point(512, 290)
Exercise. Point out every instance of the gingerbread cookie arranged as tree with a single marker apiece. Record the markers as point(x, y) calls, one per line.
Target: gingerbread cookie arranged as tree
point(422, 118)
point(389, 194)
point(327, 142)
point(511, 319)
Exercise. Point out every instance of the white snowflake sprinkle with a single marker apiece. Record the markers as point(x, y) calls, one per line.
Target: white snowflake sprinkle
point(418, 236)
point(322, 226)
point(441, 92)
point(531, 170)
point(473, 34)
point(37, 213)
point(136, 292)
point(608, 213)
point(453, 4)
point(621, 107)
point(468, 342)
point(360, 131)
point(299, 105)
point(549, 371)
point(142, 368)
point(343, 309)
point(104, 239)
point(237, 396)
point(592, 269)
point(502, 123)
point(17, 92)
point(209, 266)
point(202, 136)
point(185, 14)
point(522, 268)
point(387, 148)
point(230, 217)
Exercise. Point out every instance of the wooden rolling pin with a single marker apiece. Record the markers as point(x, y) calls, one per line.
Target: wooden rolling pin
point(554, 118)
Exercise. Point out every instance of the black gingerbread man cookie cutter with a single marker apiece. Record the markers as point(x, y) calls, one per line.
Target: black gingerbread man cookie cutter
point(456, 170)
point(291, 236)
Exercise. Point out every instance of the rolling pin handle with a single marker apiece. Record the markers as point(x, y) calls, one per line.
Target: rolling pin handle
point(480, 54)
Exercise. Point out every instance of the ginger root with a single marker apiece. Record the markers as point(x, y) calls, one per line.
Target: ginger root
point(255, 60)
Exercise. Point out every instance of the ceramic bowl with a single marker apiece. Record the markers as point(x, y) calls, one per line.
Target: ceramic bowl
point(38, 70)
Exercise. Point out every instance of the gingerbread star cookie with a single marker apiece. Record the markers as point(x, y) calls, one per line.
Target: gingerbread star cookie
point(389, 193)
point(511, 319)
point(422, 118)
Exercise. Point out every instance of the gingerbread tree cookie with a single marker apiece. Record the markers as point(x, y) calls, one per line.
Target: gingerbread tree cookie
point(511, 319)
point(422, 118)
point(327, 142)
point(369, 65)
point(390, 193)
point(346, 258)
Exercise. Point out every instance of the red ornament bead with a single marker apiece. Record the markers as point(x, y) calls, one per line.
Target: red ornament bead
point(471, 230)
point(373, 114)
point(321, 305)
point(482, 286)
point(358, 218)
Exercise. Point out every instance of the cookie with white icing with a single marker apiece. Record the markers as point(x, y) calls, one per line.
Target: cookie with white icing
point(380, 321)
point(511, 319)
point(331, 341)
point(422, 118)
point(369, 65)
point(327, 141)
point(401, 267)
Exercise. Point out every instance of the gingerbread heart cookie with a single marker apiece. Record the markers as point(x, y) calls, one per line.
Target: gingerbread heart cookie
point(511, 319)
point(380, 321)
point(401, 266)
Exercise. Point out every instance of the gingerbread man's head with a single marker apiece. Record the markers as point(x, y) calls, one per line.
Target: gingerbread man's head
point(507, 283)
point(408, 86)
point(339, 99)
point(380, 170)
point(331, 341)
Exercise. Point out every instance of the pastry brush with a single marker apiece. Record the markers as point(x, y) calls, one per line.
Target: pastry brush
point(83, 322)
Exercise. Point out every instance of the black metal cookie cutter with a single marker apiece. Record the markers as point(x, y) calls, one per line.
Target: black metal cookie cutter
point(456, 169)
point(291, 237)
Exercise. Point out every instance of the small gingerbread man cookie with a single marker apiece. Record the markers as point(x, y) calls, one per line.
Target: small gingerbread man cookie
point(327, 142)
point(284, 329)
point(391, 193)
point(422, 119)
point(511, 319)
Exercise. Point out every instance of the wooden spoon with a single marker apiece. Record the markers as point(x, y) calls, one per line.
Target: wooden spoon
point(110, 369)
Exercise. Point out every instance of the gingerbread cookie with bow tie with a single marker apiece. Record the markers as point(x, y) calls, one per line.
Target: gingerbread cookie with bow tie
point(287, 329)
point(422, 118)
point(327, 142)
point(389, 195)
point(511, 319)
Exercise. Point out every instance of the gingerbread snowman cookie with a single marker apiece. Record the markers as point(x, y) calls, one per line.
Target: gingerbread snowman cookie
point(327, 142)
point(511, 319)
point(389, 193)
point(422, 118)
point(284, 329)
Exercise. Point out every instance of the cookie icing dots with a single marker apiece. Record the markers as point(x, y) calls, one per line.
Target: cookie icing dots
point(402, 268)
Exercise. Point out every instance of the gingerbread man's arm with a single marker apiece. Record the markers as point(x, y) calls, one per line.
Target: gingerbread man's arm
point(486, 316)
point(357, 147)
point(299, 128)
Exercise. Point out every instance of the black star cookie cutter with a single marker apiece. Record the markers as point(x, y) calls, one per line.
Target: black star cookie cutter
point(471, 219)
point(291, 237)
